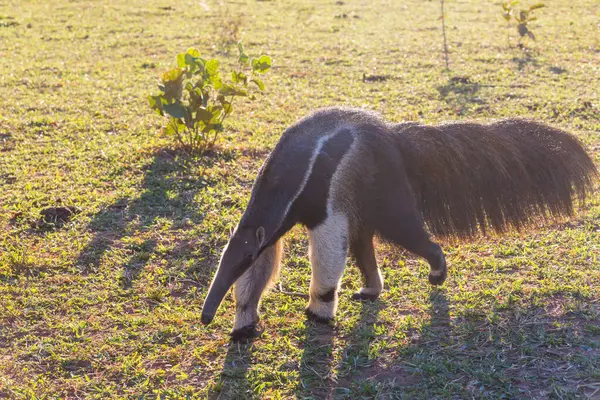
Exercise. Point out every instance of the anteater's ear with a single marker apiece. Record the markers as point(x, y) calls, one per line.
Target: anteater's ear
point(260, 235)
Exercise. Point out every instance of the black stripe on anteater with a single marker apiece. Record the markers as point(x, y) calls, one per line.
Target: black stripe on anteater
point(310, 208)
point(277, 185)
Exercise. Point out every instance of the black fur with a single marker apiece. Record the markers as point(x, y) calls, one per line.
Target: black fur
point(438, 280)
point(311, 316)
point(364, 296)
point(328, 296)
point(246, 333)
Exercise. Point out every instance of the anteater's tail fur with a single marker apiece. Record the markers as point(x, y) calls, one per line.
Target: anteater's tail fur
point(467, 177)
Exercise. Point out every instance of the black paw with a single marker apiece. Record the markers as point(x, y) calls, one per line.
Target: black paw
point(437, 277)
point(246, 334)
point(359, 296)
point(317, 318)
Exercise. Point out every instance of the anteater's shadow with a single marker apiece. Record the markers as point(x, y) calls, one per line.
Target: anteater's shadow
point(233, 379)
point(318, 375)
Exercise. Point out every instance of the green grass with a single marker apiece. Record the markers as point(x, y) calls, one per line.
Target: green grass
point(108, 305)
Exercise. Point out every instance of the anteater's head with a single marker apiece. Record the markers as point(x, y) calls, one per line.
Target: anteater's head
point(267, 216)
point(243, 249)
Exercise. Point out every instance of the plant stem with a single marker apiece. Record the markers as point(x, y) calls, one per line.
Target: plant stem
point(177, 132)
point(222, 119)
point(191, 135)
point(444, 33)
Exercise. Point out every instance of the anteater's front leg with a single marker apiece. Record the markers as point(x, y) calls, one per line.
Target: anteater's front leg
point(248, 290)
point(328, 247)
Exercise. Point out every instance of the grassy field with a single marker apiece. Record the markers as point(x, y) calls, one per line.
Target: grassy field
point(108, 304)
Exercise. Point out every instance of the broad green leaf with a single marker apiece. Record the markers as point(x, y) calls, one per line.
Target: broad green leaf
point(153, 101)
point(212, 129)
point(176, 110)
point(216, 81)
point(181, 60)
point(193, 52)
point(195, 98)
point(156, 104)
point(202, 114)
point(199, 92)
point(216, 114)
point(173, 126)
point(261, 64)
point(239, 76)
point(227, 107)
point(228, 90)
point(170, 130)
point(536, 6)
point(190, 60)
point(212, 66)
point(243, 59)
point(172, 75)
point(508, 5)
point(259, 83)
point(201, 62)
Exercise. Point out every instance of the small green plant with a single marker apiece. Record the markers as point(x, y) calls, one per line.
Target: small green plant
point(197, 100)
point(523, 19)
point(508, 7)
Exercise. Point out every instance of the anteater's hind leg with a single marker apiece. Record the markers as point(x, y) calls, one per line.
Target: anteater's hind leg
point(328, 247)
point(364, 252)
point(248, 290)
point(411, 235)
point(401, 223)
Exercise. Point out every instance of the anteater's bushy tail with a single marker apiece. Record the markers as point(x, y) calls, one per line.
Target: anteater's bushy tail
point(467, 177)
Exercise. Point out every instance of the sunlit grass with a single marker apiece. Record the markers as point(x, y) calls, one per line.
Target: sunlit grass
point(108, 305)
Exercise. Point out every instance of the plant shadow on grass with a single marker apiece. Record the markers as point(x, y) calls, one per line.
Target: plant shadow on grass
point(525, 60)
point(169, 192)
point(462, 94)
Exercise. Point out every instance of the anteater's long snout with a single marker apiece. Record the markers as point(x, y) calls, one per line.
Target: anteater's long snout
point(226, 276)
point(218, 289)
point(214, 298)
